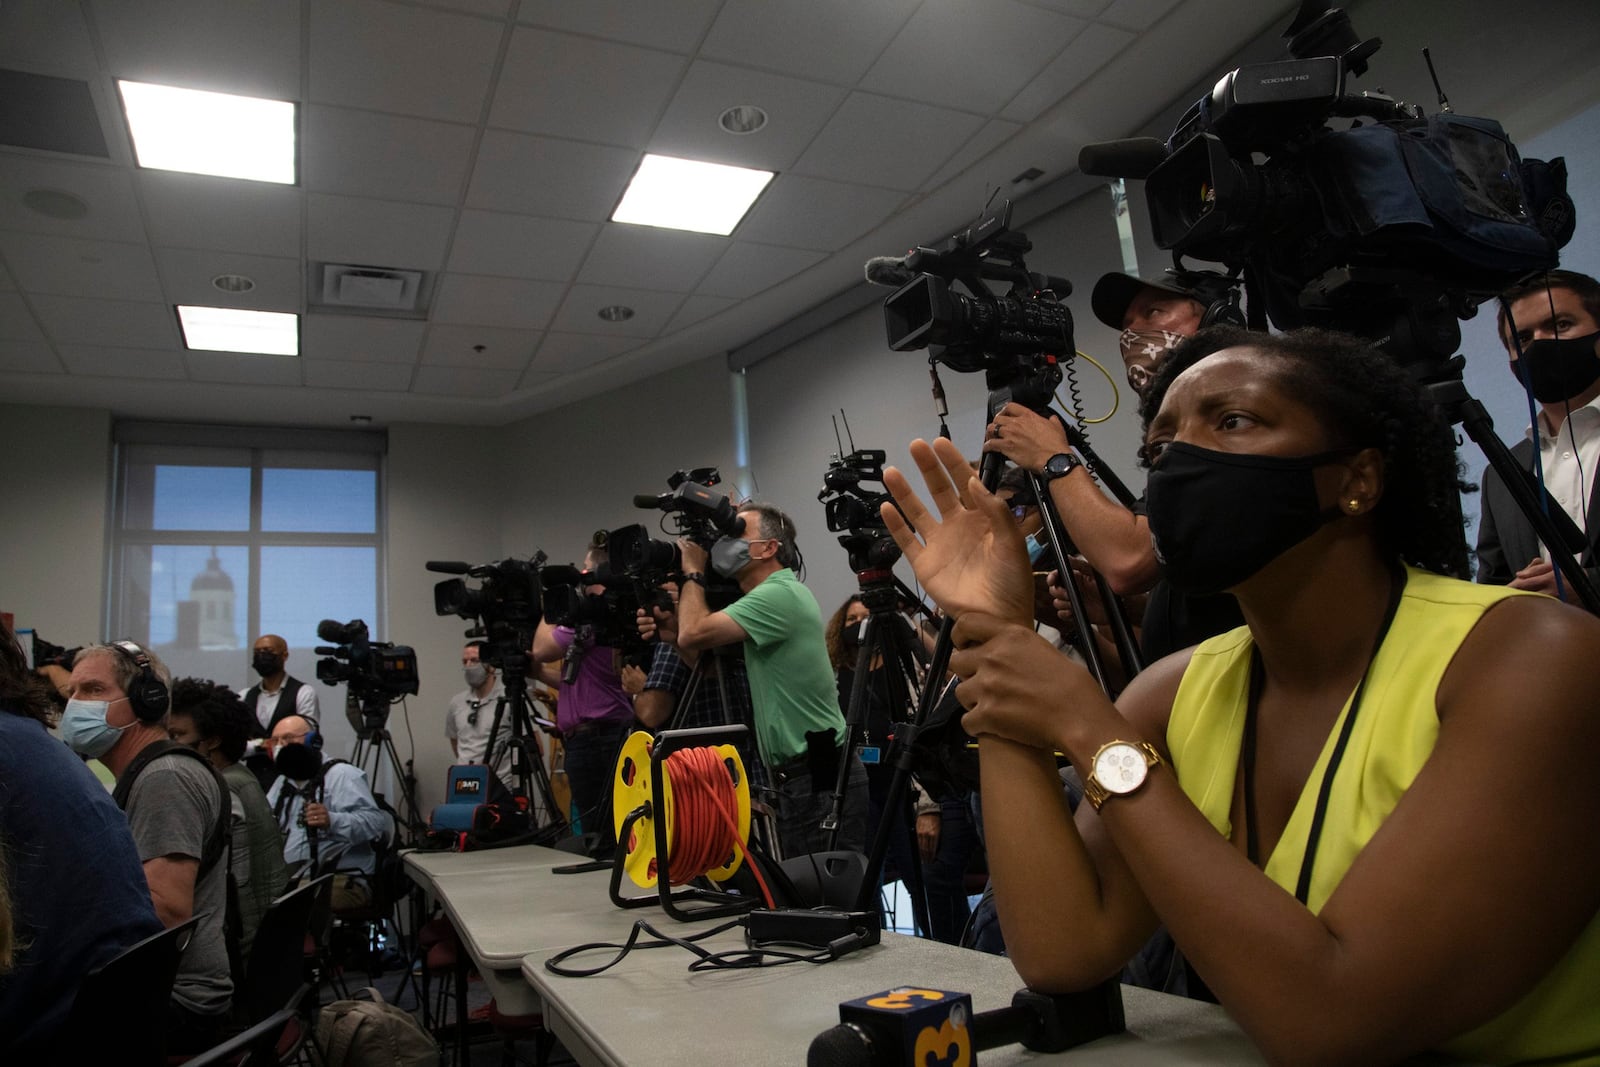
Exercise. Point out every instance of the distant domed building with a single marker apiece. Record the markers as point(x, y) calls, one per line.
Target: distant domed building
point(212, 590)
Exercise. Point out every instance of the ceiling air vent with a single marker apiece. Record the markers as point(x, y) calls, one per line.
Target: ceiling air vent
point(370, 290)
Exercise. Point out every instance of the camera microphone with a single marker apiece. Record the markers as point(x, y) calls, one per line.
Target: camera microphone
point(1134, 157)
point(649, 500)
point(906, 1026)
point(448, 566)
point(326, 650)
point(889, 270)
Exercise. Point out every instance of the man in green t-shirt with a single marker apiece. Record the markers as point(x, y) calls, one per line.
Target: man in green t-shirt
point(799, 728)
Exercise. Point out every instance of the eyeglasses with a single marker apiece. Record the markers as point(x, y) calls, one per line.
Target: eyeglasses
point(472, 716)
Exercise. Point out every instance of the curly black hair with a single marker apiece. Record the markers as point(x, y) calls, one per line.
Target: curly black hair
point(217, 712)
point(21, 691)
point(1364, 399)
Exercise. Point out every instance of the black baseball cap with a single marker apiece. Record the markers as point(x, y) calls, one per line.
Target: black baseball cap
point(1114, 292)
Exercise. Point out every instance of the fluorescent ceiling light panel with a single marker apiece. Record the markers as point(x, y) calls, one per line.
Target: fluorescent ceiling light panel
point(210, 133)
point(272, 333)
point(682, 194)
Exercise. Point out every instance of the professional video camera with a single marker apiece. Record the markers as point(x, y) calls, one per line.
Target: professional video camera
point(1390, 226)
point(852, 508)
point(700, 513)
point(505, 603)
point(378, 672)
point(611, 615)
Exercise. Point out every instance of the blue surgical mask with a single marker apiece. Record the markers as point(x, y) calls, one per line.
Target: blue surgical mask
point(730, 555)
point(85, 730)
point(1037, 546)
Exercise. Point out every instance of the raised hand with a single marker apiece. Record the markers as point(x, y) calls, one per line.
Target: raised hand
point(970, 557)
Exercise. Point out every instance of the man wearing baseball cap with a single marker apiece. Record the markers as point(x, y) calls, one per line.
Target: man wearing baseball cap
point(1154, 316)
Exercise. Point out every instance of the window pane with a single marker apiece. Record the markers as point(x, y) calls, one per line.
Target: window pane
point(185, 597)
point(319, 501)
point(201, 498)
point(302, 586)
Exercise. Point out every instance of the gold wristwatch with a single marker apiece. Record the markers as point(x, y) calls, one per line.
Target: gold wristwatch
point(1119, 768)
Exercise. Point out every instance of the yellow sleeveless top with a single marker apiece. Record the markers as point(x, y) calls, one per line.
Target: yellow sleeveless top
point(1394, 733)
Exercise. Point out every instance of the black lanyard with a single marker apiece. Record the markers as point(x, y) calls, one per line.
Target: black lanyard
point(1247, 752)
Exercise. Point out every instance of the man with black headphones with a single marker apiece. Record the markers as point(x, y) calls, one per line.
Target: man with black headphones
point(1154, 316)
point(178, 811)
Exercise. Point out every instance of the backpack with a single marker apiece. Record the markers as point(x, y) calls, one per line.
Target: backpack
point(373, 1033)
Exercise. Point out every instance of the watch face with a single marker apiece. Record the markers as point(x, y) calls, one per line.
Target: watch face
point(1120, 768)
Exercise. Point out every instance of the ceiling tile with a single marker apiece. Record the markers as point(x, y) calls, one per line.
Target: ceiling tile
point(360, 339)
point(874, 140)
point(828, 40)
point(931, 59)
point(186, 276)
point(557, 179)
point(73, 320)
point(983, 143)
point(493, 8)
point(1137, 14)
point(796, 111)
point(16, 321)
point(696, 309)
point(113, 209)
point(456, 346)
point(1088, 52)
point(243, 369)
point(463, 381)
point(336, 374)
point(402, 60)
point(476, 299)
point(676, 25)
point(580, 311)
point(563, 353)
point(1083, 9)
point(811, 213)
point(198, 211)
point(48, 37)
point(28, 358)
point(548, 85)
point(102, 362)
point(747, 269)
point(248, 47)
point(67, 266)
point(519, 246)
point(342, 229)
point(384, 156)
point(649, 257)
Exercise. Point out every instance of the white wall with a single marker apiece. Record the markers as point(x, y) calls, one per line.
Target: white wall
point(443, 504)
point(54, 482)
point(565, 474)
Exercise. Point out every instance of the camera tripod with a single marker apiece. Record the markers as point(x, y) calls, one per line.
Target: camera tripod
point(374, 749)
point(898, 653)
point(531, 779)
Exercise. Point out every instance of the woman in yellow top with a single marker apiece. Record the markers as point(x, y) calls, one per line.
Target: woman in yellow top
point(1367, 817)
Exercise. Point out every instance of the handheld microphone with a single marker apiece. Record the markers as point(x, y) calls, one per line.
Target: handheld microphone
point(902, 1027)
point(1134, 157)
point(889, 270)
point(448, 566)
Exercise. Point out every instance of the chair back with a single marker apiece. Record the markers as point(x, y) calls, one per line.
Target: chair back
point(277, 956)
point(111, 1016)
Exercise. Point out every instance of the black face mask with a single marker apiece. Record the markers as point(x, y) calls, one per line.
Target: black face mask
point(266, 664)
point(1216, 518)
point(1558, 368)
point(298, 761)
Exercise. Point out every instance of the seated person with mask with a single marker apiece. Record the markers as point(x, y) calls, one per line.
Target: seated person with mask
point(325, 811)
point(1366, 816)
